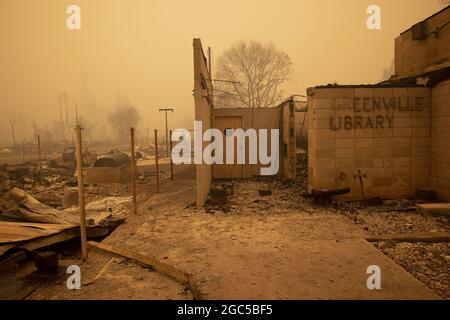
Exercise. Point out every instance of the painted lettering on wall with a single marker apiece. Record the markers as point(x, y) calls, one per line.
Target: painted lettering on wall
point(373, 113)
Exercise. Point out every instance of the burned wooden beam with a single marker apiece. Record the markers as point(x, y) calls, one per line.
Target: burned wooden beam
point(324, 196)
point(165, 269)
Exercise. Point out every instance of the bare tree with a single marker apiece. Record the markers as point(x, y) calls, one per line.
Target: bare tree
point(122, 119)
point(88, 128)
point(36, 130)
point(254, 73)
point(12, 122)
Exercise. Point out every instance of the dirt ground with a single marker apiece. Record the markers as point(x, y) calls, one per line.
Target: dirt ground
point(280, 246)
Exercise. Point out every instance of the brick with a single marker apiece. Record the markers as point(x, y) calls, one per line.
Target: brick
point(344, 134)
point(420, 171)
point(383, 152)
point(421, 132)
point(324, 143)
point(345, 163)
point(325, 153)
point(420, 162)
point(420, 151)
point(401, 171)
point(402, 142)
point(364, 133)
point(402, 122)
point(382, 172)
point(325, 173)
point(382, 181)
point(422, 122)
point(363, 143)
point(382, 142)
point(363, 153)
point(420, 181)
point(383, 133)
point(402, 132)
point(382, 162)
point(325, 163)
point(344, 153)
point(344, 143)
point(420, 141)
point(324, 114)
point(402, 162)
point(402, 152)
point(325, 183)
point(360, 163)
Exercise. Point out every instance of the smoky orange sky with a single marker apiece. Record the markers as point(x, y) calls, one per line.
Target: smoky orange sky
point(142, 49)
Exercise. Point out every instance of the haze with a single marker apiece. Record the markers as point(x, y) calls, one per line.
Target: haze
point(142, 50)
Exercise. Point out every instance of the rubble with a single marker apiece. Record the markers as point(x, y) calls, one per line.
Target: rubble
point(427, 262)
point(264, 192)
point(26, 223)
point(46, 262)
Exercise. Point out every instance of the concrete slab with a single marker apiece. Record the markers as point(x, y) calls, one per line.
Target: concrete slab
point(434, 209)
point(316, 270)
point(285, 255)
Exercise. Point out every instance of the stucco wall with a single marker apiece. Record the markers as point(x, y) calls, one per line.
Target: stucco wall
point(259, 118)
point(203, 107)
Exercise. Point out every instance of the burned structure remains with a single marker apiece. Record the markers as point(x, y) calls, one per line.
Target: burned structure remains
point(395, 133)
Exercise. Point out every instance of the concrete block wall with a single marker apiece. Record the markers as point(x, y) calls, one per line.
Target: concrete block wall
point(440, 140)
point(203, 106)
point(415, 57)
point(384, 133)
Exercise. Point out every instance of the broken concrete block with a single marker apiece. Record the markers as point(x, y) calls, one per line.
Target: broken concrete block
point(373, 202)
point(46, 262)
point(218, 196)
point(434, 209)
point(264, 192)
point(69, 199)
point(426, 194)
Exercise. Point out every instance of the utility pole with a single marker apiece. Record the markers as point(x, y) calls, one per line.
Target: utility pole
point(209, 63)
point(156, 161)
point(40, 158)
point(171, 162)
point(84, 248)
point(167, 130)
point(133, 170)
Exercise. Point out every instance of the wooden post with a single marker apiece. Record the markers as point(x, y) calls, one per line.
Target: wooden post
point(84, 249)
point(133, 171)
point(156, 161)
point(170, 156)
point(40, 158)
point(167, 138)
point(23, 151)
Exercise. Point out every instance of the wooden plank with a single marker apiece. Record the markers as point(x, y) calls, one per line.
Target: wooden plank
point(412, 237)
point(64, 235)
point(21, 231)
point(161, 267)
point(5, 247)
point(12, 259)
point(165, 269)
